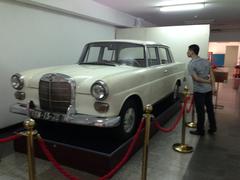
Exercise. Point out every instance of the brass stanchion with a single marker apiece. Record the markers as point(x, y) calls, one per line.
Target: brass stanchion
point(192, 123)
point(30, 133)
point(182, 147)
point(148, 110)
point(217, 106)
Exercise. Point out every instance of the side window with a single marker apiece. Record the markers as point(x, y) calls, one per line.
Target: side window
point(164, 56)
point(152, 56)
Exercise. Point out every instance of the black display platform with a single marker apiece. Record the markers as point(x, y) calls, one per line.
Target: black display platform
point(9, 131)
point(87, 148)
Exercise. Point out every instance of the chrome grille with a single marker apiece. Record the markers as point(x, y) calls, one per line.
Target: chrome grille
point(55, 93)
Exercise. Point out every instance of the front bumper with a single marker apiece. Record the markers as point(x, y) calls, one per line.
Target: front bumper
point(69, 117)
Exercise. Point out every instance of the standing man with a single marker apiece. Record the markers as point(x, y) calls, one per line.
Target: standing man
point(203, 88)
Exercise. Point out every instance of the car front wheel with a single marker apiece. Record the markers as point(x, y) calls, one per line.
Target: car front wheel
point(130, 117)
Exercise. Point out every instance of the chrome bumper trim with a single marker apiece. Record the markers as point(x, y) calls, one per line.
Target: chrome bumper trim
point(74, 118)
point(19, 109)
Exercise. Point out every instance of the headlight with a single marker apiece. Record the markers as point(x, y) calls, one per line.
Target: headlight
point(17, 81)
point(99, 90)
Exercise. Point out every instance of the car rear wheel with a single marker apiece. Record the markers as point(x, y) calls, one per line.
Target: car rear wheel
point(176, 92)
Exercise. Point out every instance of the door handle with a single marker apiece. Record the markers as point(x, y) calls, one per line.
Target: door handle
point(165, 71)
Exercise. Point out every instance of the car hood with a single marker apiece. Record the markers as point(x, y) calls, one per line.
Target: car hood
point(83, 75)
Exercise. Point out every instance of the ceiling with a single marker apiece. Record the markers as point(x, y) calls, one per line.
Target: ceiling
point(222, 15)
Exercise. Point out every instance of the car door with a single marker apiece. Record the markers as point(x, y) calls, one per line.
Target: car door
point(157, 75)
point(169, 69)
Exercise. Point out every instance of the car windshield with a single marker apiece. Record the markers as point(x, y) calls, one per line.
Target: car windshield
point(114, 53)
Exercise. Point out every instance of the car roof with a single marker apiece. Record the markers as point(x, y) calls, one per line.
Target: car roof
point(131, 41)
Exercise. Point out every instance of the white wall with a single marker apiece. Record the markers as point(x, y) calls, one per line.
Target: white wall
point(34, 37)
point(91, 10)
point(176, 37)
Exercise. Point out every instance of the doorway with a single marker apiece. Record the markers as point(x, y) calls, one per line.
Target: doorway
point(231, 58)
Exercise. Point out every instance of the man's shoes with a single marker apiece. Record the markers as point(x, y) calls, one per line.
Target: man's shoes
point(197, 133)
point(211, 131)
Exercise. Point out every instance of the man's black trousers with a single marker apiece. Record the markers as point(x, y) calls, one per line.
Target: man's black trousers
point(203, 100)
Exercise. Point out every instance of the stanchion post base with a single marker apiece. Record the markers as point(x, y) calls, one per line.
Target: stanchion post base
point(182, 148)
point(191, 124)
point(217, 106)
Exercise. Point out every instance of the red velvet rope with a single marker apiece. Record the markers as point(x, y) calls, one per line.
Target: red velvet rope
point(126, 156)
point(50, 157)
point(157, 125)
point(191, 105)
point(180, 114)
point(10, 138)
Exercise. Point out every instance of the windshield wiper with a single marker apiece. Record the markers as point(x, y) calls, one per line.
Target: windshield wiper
point(99, 63)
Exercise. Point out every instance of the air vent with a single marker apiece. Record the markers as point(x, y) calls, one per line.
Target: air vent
point(199, 21)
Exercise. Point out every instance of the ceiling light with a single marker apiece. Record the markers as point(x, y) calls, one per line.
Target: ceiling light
point(186, 7)
point(178, 2)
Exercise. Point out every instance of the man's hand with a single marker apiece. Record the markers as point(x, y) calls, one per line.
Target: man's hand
point(196, 78)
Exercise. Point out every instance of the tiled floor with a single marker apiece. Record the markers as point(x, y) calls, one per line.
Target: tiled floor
point(218, 157)
point(214, 157)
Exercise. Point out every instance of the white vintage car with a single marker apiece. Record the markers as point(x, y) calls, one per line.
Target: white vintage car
point(108, 87)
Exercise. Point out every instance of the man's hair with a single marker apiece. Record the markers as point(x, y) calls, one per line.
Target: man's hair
point(195, 48)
